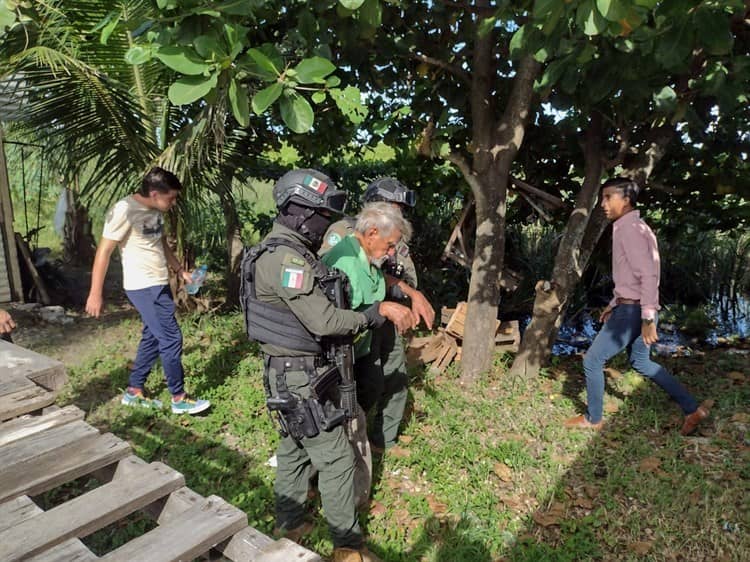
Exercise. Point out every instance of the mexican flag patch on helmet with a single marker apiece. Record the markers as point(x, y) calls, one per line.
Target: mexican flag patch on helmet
point(315, 183)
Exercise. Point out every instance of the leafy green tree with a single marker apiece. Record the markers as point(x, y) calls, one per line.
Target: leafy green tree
point(647, 80)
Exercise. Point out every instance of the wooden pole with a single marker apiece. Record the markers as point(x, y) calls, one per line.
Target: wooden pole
point(6, 227)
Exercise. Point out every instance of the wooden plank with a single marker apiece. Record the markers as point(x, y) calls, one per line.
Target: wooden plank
point(248, 544)
point(135, 485)
point(72, 550)
point(7, 238)
point(28, 425)
point(22, 508)
point(17, 510)
point(285, 550)
point(25, 401)
point(191, 534)
point(44, 371)
point(14, 383)
point(56, 467)
point(41, 443)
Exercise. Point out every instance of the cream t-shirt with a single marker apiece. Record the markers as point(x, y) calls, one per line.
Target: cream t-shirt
point(139, 231)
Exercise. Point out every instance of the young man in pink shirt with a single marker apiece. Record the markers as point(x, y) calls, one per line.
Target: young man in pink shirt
point(631, 316)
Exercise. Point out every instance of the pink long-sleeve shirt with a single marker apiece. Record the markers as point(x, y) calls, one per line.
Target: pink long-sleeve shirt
point(635, 263)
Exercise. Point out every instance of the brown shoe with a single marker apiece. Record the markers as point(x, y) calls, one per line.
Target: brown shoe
point(580, 422)
point(692, 420)
point(351, 555)
point(296, 534)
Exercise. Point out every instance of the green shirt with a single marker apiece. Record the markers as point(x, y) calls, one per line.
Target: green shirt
point(367, 281)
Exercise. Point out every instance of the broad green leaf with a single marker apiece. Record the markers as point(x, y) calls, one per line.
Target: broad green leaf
point(161, 4)
point(332, 81)
point(191, 88)
point(236, 35)
point(552, 73)
point(296, 112)
point(371, 13)
point(589, 19)
point(518, 41)
point(665, 99)
point(713, 31)
point(554, 18)
point(7, 18)
point(263, 99)
point(314, 69)
point(542, 8)
point(209, 46)
point(673, 49)
point(349, 102)
point(351, 4)
point(262, 65)
point(240, 103)
point(239, 7)
point(182, 59)
point(138, 54)
point(613, 10)
point(318, 97)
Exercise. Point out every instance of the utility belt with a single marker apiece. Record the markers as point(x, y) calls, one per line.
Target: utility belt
point(300, 417)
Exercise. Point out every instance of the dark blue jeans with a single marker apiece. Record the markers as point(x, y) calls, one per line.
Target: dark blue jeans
point(161, 337)
point(623, 331)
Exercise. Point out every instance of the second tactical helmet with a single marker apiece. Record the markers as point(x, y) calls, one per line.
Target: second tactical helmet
point(309, 188)
point(391, 190)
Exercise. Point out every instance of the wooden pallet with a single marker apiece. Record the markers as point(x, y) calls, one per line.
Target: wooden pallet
point(444, 347)
point(28, 381)
point(39, 453)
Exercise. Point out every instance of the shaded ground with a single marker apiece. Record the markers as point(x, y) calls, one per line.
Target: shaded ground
point(483, 474)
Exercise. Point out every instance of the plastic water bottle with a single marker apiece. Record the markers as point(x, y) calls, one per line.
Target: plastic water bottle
point(198, 277)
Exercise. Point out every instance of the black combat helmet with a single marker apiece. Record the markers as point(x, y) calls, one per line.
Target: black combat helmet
point(391, 190)
point(309, 188)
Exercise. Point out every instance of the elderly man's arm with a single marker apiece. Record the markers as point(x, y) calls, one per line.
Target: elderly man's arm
point(420, 306)
point(6, 322)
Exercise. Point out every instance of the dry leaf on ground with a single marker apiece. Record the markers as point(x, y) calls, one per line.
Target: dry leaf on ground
point(553, 516)
point(438, 508)
point(649, 464)
point(640, 547)
point(737, 376)
point(376, 509)
point(503, 472)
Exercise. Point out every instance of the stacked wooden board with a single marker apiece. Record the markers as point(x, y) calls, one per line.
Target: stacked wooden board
point(443, 347)
point(39, 453)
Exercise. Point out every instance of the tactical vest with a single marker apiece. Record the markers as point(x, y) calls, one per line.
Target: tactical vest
point(270, 323)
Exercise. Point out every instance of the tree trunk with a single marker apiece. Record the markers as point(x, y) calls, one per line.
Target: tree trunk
point(496, 147)
point(234, 251)
point(552, 297)
point(79, 245)
point(486, 272)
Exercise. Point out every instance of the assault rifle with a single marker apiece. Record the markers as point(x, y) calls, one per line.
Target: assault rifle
point(341, 348)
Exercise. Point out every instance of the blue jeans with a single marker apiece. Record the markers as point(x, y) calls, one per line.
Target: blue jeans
point(623, 331)
point(161, 336)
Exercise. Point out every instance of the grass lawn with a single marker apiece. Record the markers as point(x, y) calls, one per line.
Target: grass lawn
point(484, 473)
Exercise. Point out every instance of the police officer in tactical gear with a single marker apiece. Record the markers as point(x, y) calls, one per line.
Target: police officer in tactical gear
point(288, 311)
point(382, 378)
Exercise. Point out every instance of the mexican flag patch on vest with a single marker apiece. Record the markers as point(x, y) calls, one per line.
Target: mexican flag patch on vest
point(293, 278)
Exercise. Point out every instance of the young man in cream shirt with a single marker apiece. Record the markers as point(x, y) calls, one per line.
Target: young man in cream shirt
point(136, 225)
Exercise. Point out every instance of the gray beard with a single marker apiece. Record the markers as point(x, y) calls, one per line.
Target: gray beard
point(379, 262)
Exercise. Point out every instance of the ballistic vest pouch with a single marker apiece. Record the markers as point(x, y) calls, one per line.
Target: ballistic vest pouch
point(304, 417)
point(276, 324)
